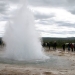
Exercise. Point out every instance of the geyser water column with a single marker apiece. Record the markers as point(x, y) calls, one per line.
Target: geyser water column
point(21, 39)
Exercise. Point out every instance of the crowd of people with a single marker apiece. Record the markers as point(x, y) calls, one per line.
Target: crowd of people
point(68, 46)
point(48, 44)
point(71, 47)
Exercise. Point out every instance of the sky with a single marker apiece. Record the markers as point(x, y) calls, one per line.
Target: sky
point(53, 18)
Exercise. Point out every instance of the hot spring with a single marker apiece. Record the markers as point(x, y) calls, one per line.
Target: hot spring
point(21, 38)
point(23, 46)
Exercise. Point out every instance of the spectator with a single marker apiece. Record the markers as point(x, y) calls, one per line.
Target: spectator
point(63, 47)
point(72, 46)
point(49, 45)
point(54, 45)
point(69, 47)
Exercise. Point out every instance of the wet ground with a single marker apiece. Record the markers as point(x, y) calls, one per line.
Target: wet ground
point(55, 62)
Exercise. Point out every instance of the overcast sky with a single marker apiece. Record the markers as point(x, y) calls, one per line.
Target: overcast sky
point(53, 18)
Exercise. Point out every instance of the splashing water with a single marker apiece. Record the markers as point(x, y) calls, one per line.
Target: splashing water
point(22, 41)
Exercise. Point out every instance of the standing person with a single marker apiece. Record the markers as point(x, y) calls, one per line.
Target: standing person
point(69, 47)
point(43, 44)
point(74, 47)
point(0, 42)
point(49, 45)
point(54, 45)
point(63, 47)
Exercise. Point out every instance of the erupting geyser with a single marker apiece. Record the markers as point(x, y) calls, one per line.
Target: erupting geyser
point(22, 42)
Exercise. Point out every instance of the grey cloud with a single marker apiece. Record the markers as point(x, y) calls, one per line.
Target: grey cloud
point(72, 10)
point(66, 32)
point(46, 22)
point(71, 2)
point(54, 32)
point(42, 22)
point(4, 18)
point(44, 19)
point(43, 16)
point(10, 1)
point(47, 2)
point(69, 5)
point(50, 31)
point(53, 3)
point(3, 7)
point(60, 23)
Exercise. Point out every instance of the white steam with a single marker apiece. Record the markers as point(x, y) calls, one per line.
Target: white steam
point(22, 42)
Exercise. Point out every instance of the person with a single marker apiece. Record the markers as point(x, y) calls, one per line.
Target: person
point(43, 44)
point(72, 47)
point(69, 47)
point(49, 45)
point(0, 42)
point(54, 45)
point(63, 47)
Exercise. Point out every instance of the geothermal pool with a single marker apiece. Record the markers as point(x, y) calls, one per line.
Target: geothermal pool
point(55, 62)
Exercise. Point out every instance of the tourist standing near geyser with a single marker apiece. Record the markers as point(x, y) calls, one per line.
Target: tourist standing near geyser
point(22, 42)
